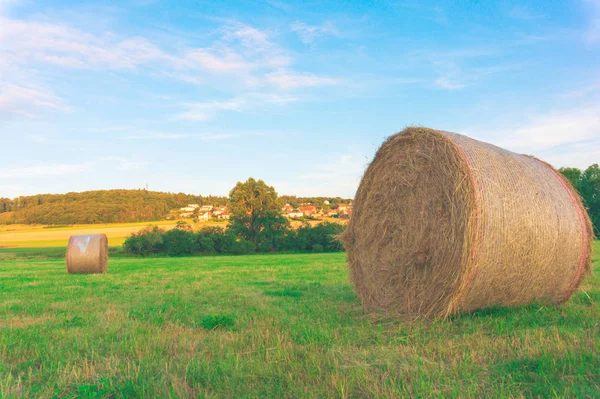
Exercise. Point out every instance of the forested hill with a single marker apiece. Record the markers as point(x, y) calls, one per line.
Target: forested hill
point(103, 206)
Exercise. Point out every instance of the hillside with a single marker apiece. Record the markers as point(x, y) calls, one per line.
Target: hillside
point(102, 206)
point(116, 206)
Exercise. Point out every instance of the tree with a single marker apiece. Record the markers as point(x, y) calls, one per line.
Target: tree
point(573, 175)
point(589, 187)
point(256, 214)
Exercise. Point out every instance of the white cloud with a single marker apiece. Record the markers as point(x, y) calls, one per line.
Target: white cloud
point(592, 34)
point(5, 5)
point(23, 100)
point(449, 83)
point(42, 170)
point(556, 129)
point(159, 136)
point(308, 33)
point(241, 58)
point(285, 79)
point(61, 45)
point(226, 62)
point(338, 175)
point(524, 13)
point(202, 111)
point(584, 91)
point(176, 136)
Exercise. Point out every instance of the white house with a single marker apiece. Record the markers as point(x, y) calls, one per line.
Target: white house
point(297, 214)
point(206, 208)
point(204, 216)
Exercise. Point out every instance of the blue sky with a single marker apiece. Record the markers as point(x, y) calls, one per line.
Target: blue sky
point(194, 96)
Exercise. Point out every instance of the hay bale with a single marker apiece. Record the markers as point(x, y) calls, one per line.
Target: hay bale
point(87, 254)
point(444, 224)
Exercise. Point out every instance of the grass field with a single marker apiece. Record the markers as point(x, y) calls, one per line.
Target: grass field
point(271, 326)
point(41, 236)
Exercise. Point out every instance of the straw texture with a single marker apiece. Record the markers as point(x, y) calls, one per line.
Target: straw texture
point(87, 254)
point(444, 224)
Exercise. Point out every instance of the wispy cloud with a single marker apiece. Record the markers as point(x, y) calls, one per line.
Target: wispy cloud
point(201, 111)
point(63, 46)
point(285, 79)
point(122, 163)
point(590, 89)
point(337, 175)
point(42, 170)
point(178, 136)
point(50, 169)
point(556, 129)
point(524, 13)
point(592, 34)
point(24, 100)
point(241, 58)
point(309, 33)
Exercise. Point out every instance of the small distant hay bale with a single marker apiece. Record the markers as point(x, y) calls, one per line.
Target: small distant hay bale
point(87, 254)
point(444, 224)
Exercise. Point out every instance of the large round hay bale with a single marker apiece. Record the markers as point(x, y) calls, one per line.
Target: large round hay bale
point(87, 254)
point(444, 224)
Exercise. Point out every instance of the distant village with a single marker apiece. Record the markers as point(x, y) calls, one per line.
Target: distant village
point(204, 213)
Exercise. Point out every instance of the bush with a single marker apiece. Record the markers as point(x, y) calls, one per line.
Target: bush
point(180, 242)
point(318, 248)
point(145, 242)
point(242, 246)
point(320, 238)
point(183, 241)
point(205, 244)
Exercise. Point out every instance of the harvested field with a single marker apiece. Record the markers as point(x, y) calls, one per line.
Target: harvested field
point(273, 326)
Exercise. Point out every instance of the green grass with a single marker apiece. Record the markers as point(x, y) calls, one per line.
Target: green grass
point(270, 326)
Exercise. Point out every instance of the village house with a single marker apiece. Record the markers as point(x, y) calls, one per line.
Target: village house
point(206, 208)
point(344, 209)
point(308, 209)
point(287, 208)
point(219, 211)
point(204, 216)
point(224, 215)
point(189, 208)
point(295, 214)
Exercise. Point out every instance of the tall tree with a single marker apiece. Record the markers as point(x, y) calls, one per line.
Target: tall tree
point(573, 175)
point(589, 188)
point(256, 213)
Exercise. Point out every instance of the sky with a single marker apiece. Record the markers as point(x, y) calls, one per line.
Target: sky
point(194, 96)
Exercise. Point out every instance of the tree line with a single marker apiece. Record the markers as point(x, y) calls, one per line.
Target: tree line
point(104, 206)
point(587, 184)
point(183, 241)
point(256, 225)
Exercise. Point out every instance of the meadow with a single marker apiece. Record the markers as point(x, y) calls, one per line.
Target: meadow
point(286, 325)
point(44, 236)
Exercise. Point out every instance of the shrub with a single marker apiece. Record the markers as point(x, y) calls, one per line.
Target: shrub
point(205, 244)
point(183, 241)
point(147, 241)
point(242, 246)
point(320, 238)
point(180, 242)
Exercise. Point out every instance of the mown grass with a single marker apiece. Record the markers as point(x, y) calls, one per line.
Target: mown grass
point(272, 326)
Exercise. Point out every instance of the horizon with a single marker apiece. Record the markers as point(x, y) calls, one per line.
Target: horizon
point(193, 97)
point(178, 192)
